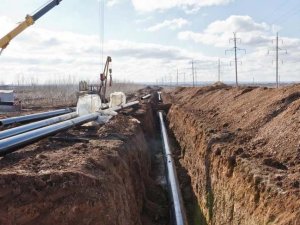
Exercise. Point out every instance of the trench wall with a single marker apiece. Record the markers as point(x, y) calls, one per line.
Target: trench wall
point(105, 181)
point(241, 170)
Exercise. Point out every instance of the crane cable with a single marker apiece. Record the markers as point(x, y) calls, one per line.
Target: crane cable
point(101, 31)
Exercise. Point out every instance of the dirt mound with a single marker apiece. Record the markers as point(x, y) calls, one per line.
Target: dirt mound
point(241, 148)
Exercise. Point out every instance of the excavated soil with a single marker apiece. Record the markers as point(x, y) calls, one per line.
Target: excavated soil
point(240, 150)
point(105, 177)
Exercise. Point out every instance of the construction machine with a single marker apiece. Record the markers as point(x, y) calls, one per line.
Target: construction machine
point(84, 89)
point(29, 20)
point(103, 78)
point(95, 94)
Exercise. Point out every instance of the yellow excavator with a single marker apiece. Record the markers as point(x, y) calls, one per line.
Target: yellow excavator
point(29, 20)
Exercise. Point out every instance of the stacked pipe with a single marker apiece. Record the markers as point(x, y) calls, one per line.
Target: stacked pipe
point(34, 117)
point(10, 144)
point(15, 138)
point(36, 125)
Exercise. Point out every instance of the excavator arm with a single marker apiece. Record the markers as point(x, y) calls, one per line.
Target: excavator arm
point(103, 78)
point(29, 20)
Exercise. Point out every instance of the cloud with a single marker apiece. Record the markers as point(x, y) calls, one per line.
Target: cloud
point(236, 23)
point(219, 32)
point(187, 5)
point(169, 24)
point(49, 54)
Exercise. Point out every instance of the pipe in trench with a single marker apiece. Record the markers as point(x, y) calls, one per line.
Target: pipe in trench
point(159, 96)
point(33, 117)
point(11, 144)
point(146, 97)
point(175, 193)
point(32, 126)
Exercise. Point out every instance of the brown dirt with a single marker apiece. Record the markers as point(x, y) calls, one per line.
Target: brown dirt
point(241, 149)
point(104, 181)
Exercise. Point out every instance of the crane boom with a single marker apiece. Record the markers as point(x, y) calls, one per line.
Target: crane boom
point(29, 20)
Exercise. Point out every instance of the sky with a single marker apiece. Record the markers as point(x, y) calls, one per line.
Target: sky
point(150, 40)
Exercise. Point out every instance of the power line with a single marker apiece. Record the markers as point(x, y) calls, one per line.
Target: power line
point(276, 10)
point(285, 15)
point(277, 50)
point(235, 49)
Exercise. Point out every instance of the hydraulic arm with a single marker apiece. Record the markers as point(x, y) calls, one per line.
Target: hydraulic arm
point(103, 79)
point(29, 20)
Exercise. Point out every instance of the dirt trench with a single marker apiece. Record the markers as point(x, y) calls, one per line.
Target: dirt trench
point(115, 178)
point(239, 149)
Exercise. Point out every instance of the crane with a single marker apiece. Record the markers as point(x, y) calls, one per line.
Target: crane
point(29, 20)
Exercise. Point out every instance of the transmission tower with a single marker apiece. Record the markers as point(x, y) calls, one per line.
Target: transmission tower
point(177, 78)
point(235, 49)
point(277, 50)
point(193, 73)
point(180, 77)
point(219, 70)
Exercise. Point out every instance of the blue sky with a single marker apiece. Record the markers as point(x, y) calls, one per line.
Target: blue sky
point(150, 39)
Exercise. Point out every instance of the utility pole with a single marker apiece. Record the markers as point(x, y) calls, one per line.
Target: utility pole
point(193, 75)
point(166, 80)
point(235, 49)
point(177, 77)
point(196, 76)
point(277, 50)
point(219, 70)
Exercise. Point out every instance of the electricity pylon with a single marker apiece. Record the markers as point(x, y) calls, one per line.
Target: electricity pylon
point(235, 49)
point(277, 50)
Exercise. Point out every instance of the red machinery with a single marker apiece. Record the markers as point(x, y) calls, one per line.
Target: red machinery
point(103, 78)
